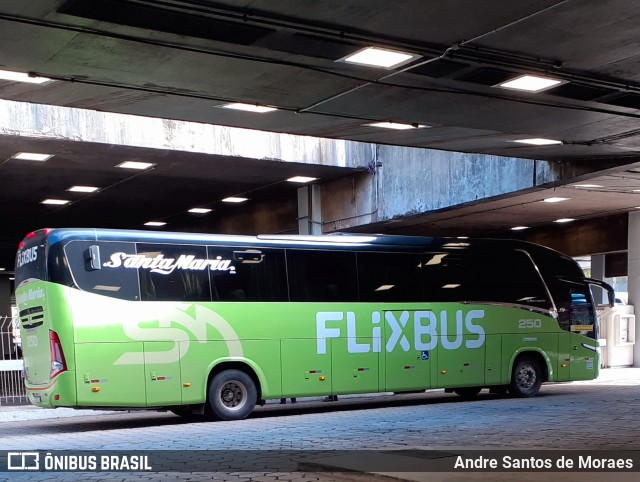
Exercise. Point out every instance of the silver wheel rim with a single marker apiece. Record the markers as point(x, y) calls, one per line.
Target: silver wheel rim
point(526, 378)
point(233, 395)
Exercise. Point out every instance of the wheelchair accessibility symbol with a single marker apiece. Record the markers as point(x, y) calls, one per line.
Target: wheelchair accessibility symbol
point(424, 355)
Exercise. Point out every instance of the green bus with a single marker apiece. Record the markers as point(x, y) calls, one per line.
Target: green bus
point(215, 324)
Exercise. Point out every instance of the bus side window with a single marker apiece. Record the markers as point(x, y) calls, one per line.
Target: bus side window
point(389, 277)
point(113, 281)
point(166, 283)
point(322, 275)
point(444, 277)
point(257, 274)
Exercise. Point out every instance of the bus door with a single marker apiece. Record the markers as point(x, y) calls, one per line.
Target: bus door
point(407, 367)
point(578, 357)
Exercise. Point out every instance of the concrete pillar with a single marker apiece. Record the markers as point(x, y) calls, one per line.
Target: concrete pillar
point(634, 275)
point(309, 210)
point(5, 296)
point(597, 272)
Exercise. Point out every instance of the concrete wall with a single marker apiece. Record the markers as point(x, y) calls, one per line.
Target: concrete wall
point(278, 215)
point(406, 181)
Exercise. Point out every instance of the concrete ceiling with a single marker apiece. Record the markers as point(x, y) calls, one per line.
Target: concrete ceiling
point(183, 59)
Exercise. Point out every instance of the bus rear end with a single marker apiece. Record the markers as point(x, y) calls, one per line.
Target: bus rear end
point(47, 378)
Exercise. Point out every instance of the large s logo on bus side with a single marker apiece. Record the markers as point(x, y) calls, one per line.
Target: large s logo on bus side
point(426, 334)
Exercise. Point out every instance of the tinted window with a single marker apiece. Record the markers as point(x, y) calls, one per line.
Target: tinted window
point(510, 277)
point(173, 272)
point(322, 275)
point(389, 277)
point(30, 259)
point(253, 275)
point(113, 278)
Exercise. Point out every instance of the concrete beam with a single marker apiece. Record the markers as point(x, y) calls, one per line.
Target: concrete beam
point(82, 125)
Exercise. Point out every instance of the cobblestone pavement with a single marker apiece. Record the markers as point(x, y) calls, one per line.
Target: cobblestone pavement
point(597, 415)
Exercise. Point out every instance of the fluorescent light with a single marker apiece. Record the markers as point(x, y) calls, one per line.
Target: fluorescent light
point(564, 220)
point(519, 228)
point(233, 199)
point(449, 286)
point(396, 125)
point(199, 210)
point(376, 57)
point(135, 165)
point(588, 186)
point(22, 77)
point(58, 202)
point(83, 189)
point(32, 156)
point(530, 83)
point(3, 269)
point(555, 199)
point(302, 179)
point(260, 109)
point(384, 288)
point(155, 223)
point(539, 141)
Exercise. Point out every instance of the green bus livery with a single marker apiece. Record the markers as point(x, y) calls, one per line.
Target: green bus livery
point(215, 324)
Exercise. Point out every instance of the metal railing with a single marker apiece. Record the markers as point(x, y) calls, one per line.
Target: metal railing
point(12, 391)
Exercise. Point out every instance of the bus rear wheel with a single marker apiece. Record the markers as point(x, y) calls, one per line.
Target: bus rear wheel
point(526, 378)
point(232, 395)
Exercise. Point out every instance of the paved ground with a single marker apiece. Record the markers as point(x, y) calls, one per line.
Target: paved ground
point(598, 415)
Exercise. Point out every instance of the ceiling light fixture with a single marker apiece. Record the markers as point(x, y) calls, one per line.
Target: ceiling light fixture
point(555, 199)
point(396, 125)
point(234, 199)
point(32, 156)
point(259, 109)
point(519, 228)
point(141, 166)
point(155, 223)
point(539, 141)
point(56, 202)
point(83, 189)
point(23, 77)
point(377, 57)
point(587, 186)
point(302, 179)
point(199, 210)
point(530, 83)
point(564, 220)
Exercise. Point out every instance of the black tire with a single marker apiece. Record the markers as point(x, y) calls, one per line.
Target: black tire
point(526, 378)
point(232, 395)
point(467, 392)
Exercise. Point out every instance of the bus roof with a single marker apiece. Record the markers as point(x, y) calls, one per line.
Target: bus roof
point(332, 241)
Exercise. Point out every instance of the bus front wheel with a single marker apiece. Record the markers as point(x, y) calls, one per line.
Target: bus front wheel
point(232, 395)
point(526, 378)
